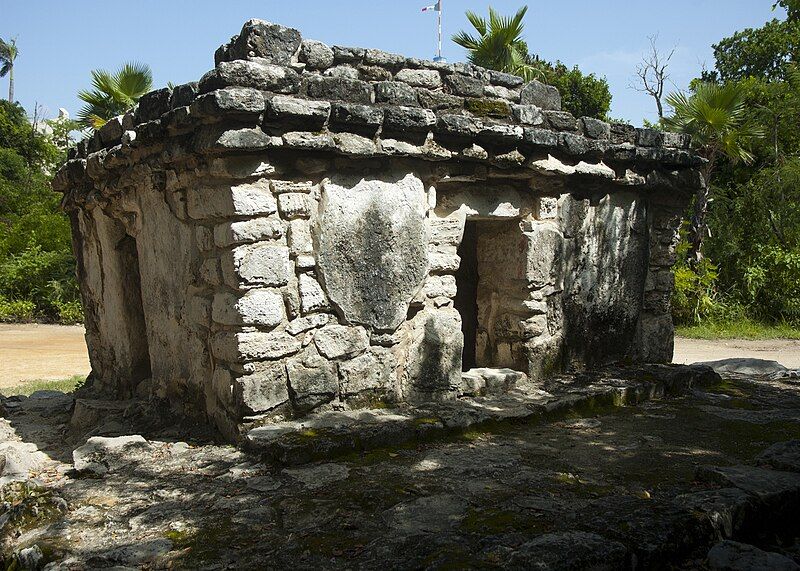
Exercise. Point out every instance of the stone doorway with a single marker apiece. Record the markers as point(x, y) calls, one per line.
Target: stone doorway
point(466, 300)
point(491, 290)
point(130, 290)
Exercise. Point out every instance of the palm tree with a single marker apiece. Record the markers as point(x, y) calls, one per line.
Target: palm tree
point(114, 94)
point(8, 53)
point(719, 121)
point(499, 44)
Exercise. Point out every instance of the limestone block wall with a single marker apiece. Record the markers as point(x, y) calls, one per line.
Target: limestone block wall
point(310, 227)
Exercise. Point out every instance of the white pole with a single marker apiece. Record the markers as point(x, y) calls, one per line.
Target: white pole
point(439, 53)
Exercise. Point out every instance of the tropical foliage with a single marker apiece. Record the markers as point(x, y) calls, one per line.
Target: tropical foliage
point(37, 268)
point(113, 94)
point(754, 211)
point(8, 53)
point(499, 45)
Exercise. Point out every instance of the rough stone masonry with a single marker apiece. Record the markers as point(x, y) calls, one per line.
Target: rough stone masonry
point(311, 228)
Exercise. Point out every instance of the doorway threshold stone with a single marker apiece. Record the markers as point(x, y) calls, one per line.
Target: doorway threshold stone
point(340, 433)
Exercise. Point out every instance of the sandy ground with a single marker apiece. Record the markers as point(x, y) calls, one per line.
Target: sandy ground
point(786, 352)
point(31, 351)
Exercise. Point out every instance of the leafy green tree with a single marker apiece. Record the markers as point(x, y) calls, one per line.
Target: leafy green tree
point(8, 53)
point(37, 268)
point(761, 52)
point(721, 126)
point(499, 45)
point(113, 94)
point(583, 95)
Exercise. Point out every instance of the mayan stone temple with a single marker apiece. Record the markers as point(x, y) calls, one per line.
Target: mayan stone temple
point(311, 228)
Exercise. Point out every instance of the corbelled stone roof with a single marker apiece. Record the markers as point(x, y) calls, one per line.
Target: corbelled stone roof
point(272, 90)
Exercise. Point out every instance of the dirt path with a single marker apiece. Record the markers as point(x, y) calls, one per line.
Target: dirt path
point(32, 351)
point(786, 352)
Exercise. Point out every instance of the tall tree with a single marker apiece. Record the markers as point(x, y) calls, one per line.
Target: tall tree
point(721, 126)
point(499, 44)
point(761, 52)
point(652, 74)
point(113, 94)
point(8, 53)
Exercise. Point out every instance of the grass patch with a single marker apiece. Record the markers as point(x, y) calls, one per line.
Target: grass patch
point(30, 387)
point(740, 329)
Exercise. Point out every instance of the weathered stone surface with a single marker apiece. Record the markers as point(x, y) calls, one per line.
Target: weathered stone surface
point(570, 550)
point(368, 372)
point(229, 100)
point(341, 341)
point(258, 75)
point(357, 116)
point(372, 247)
point(408, 119)
point(262, 263)
point(343, 54)
point(294, 112)
point(420, 78)
point(247, 231)
point(465, 85)
point(270, 42)
point(500, 92)
point(395, 93)
point(373, 73)
point(312, 382)
point(253, 345)
point(249, 199)
point(343, 71)
point(299, 238)
point(303, 324)
point(255, 307)
point(101, 455)
point(294, 205)
point(316, 55)
point(339, 89)
point(438, 100)
point(734, 556)
point(214, 138)
point(595, 128)
point(383, 59)
point(263, 389)
point(308, 141)
point(527, 114)
point(312, 297)
point(434, 355)
point(782, 456)
point(561, 120)
point(544, 96)
point(152, 105)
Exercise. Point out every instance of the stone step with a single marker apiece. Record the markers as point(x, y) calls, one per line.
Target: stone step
point(485, 381)
point(327, 435)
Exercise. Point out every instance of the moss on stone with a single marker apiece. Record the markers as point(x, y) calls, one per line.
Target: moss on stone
point(488, 107)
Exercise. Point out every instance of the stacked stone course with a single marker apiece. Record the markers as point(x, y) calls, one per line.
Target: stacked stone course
point(297, 215)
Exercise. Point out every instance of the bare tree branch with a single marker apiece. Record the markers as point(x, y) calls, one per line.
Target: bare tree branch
point(652, 74)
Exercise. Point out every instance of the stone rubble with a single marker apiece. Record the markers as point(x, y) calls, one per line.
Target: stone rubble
point(617, 490)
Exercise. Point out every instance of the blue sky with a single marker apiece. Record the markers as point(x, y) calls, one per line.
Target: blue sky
point(60, 42)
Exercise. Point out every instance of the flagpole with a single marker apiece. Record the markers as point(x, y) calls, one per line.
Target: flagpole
point(439, 53)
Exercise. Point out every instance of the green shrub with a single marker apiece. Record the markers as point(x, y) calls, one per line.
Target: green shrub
point(773, 284)
point(695, 297)
point(16, 310)
point(70, 312)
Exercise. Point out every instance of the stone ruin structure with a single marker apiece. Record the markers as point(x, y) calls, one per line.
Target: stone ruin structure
point(310, 227)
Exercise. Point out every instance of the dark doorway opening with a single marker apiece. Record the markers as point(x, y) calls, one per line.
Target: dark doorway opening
point(466, 300)
point(134, 322)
